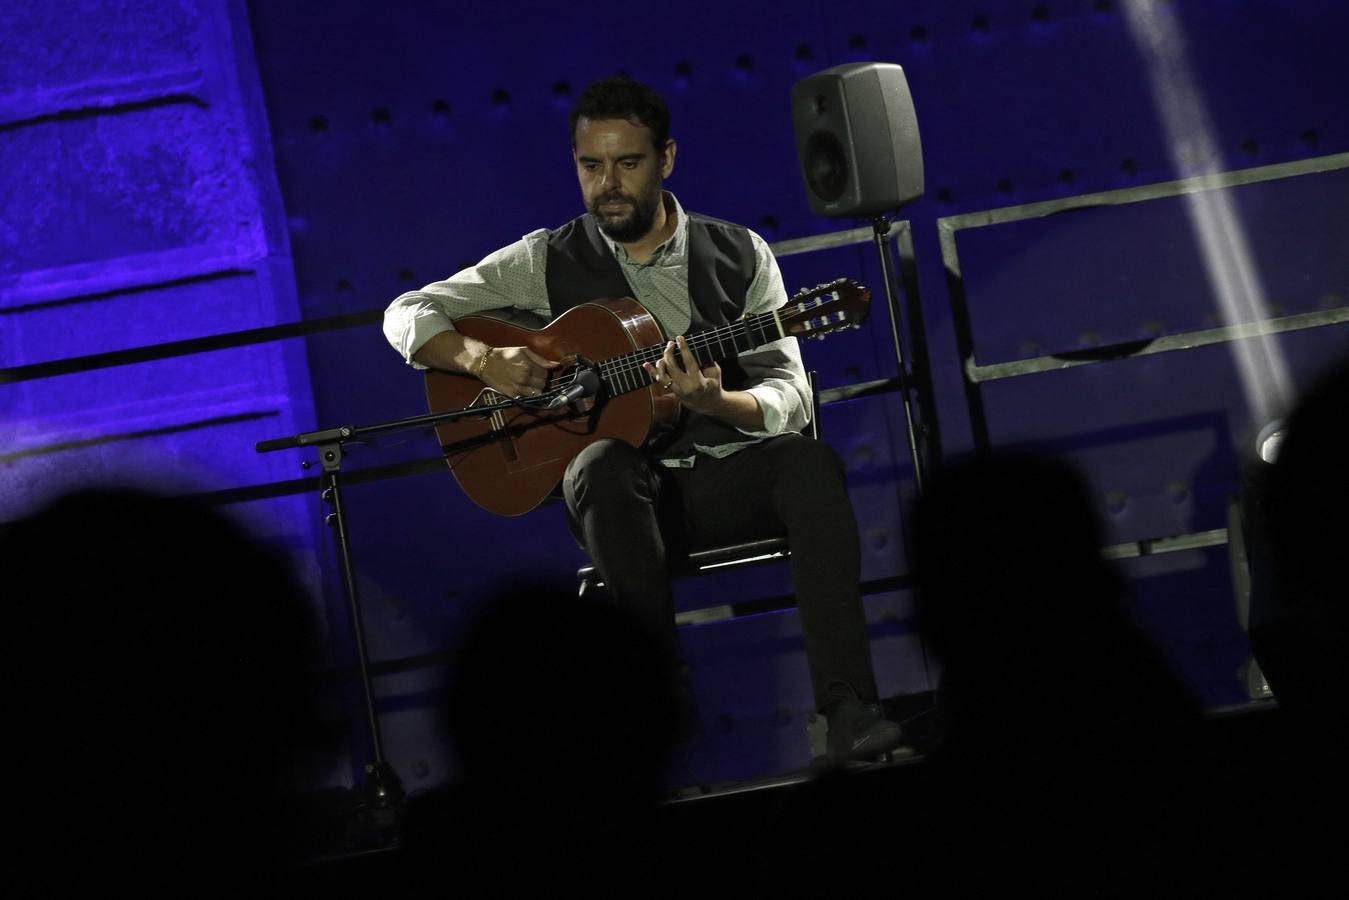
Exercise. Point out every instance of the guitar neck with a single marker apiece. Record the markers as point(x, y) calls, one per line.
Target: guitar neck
point(625, 373)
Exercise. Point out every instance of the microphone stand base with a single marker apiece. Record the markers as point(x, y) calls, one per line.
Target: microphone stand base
point(382, 789)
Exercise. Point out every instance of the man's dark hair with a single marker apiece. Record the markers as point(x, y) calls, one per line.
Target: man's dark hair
point(622, 98)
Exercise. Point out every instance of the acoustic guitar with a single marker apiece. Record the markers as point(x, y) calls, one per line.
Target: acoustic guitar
point(511, 460)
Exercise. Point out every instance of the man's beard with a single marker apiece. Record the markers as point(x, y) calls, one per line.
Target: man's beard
point(638, 221)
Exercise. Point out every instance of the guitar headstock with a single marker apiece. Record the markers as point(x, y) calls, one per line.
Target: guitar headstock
point(817, 311)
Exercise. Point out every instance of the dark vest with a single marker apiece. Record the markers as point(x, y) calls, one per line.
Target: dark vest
point(581, 268)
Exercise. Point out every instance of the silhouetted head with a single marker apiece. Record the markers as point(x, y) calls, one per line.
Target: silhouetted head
point(1300, 601)
point(1008, 548)
point(158, 667)
point(1308, 496)
point(551, 692)
point(1039, 657)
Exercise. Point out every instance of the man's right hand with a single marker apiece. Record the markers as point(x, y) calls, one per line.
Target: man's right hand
point(516, 371)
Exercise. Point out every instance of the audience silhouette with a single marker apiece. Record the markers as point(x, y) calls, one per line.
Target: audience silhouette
point(1067, 755)
point(158, 677)
point(563, 715)
point(1300, 621)
point(1070, 749)
point(1297, 514)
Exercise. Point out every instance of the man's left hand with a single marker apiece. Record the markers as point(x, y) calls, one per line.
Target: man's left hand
point(698, 389)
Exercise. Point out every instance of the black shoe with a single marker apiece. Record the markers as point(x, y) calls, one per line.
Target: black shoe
point(858, 731)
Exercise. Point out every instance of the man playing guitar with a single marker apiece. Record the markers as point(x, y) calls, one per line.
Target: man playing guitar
point(735, 467)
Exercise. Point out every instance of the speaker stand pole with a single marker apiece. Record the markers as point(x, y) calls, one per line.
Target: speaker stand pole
point(880, 226)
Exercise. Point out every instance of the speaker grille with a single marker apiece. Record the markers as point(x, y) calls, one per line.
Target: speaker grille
point(826, 166)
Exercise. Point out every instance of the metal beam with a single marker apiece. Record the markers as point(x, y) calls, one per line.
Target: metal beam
point(1186, 340)
point(846, 238)
point(1142, 192)
point(1156, 546)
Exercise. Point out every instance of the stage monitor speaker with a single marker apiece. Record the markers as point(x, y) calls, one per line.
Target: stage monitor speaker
point(857, 139)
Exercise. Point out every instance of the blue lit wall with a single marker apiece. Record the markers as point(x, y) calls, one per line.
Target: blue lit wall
point(140, 206)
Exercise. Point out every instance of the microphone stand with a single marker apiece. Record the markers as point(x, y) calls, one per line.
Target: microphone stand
point(382, 789)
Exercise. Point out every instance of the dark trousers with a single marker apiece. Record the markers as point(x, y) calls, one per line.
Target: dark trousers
point(634, 516)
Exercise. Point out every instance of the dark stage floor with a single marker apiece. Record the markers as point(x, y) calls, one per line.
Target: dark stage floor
point(364, 856)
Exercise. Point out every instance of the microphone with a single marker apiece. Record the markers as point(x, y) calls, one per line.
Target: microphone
point(586, 383)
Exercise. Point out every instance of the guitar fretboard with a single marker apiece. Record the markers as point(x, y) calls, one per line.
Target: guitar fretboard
point(622, 374)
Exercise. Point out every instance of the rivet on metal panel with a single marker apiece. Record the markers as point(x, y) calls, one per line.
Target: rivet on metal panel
point(1116, 502)
point(1178, 491)
point(878, 538)
point(862, 457)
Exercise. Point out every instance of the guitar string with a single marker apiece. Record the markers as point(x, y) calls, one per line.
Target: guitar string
point(629, 364)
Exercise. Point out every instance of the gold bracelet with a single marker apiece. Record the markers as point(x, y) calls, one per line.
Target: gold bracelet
point(480, 365)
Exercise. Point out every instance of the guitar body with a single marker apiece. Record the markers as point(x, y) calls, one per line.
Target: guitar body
point(509, 462)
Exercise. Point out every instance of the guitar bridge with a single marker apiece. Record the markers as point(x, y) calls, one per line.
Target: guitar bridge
point(496, 424)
